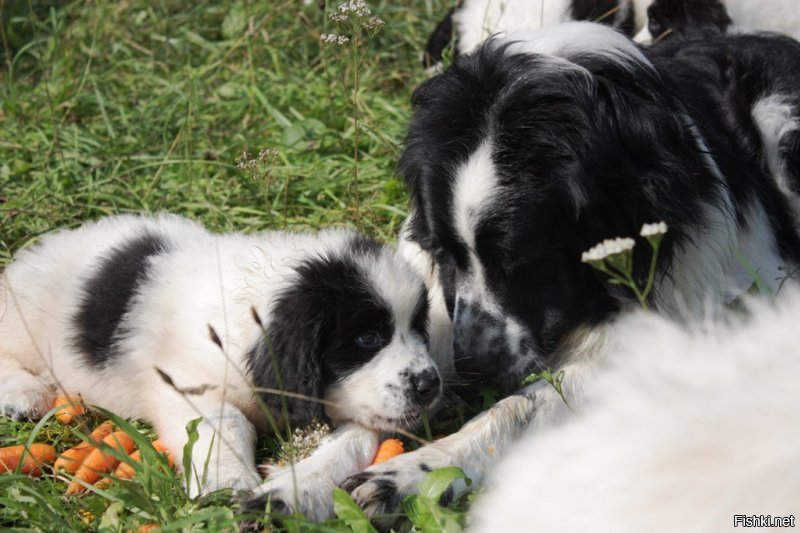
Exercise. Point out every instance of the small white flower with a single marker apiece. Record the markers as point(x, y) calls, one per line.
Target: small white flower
point(607, 248)
point(304, 442)
point(332, 38)
point(373, 23)
point(357, 7)
point(649, 230)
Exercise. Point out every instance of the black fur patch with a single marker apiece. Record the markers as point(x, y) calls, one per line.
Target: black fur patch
point(605, 12)
point(310, 338)
point(695, 18)
point(439, 40)
point(107, 297)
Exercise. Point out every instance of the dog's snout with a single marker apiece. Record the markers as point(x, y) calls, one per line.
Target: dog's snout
point(478, 342)
point(425, 386)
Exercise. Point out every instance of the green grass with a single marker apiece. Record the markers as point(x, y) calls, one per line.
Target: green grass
point(139, 106)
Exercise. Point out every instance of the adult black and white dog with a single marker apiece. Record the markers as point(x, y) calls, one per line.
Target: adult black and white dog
point(526, 153)
point(119, 311)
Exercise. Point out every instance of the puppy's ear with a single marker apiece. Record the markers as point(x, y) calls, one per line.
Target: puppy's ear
point(287, 358)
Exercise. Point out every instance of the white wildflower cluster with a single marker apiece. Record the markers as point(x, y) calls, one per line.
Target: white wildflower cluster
point(650, 230)
point(607, 248)
point(332, 38)
point(357, 11)
point(246, 162)
point(305, 441)
point(266, 156)
point(358, 8)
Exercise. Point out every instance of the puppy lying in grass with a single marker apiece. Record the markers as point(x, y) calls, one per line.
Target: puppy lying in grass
point(158, 319)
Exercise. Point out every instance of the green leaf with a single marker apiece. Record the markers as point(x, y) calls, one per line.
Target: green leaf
point(234, 23)
point(347, 510)
point(436, 482)
point(110, 519)
point(302, 130)
point(194, 435)
point(424, 510)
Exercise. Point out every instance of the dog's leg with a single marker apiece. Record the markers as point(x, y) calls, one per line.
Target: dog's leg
point(307, 485)
point(224, 454)
point(381, 488)
point(22, 394)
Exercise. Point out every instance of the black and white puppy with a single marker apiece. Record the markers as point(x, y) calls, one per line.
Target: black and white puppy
point(525, 154)
point(119, 311)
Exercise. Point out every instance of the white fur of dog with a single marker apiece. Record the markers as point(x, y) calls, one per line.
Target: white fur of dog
point(120, 310)
point(684, 431)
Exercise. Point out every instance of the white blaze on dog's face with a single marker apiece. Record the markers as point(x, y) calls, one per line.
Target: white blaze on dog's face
point(400, 380)
point(350, 329)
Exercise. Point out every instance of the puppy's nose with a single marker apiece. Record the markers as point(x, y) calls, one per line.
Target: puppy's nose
point(425, 387)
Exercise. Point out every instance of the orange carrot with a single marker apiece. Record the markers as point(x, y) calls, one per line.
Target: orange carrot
point(99, 462)
point(149, 527)
point(388, 449)
point(37, 454)
point(70, 460)
point(126, 471)
point(70, 407)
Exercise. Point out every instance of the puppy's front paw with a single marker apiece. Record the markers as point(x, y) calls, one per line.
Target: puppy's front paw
point(295, 489)
point(380, 489)
point(23, 395)
point(253, 506)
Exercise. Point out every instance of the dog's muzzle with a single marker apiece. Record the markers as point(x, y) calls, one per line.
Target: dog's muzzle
point(479, 344)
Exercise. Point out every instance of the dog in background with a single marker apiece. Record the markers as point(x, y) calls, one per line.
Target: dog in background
point(525, 154)
point(471, 22)
point(667, 19)
point(120, 311)
point(685, 431)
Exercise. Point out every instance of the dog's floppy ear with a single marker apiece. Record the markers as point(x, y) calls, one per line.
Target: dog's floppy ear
point(287, 358)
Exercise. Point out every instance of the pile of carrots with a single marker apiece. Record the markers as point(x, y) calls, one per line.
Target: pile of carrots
point(88, 461)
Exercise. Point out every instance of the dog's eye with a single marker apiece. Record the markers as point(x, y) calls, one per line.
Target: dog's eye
point(370, 340)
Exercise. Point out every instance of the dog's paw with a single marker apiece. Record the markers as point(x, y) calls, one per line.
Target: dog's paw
point(296, 489)
point(252, 507)
point(23, 395)
point(380, 489)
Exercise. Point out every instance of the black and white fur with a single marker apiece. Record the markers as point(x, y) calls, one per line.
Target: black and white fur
point(694, 18)
point(685, 430)
point(525, 154)
point(471, 22)
point(116, 309)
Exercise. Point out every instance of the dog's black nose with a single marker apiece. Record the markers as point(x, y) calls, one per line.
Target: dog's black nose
point(425, 387)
